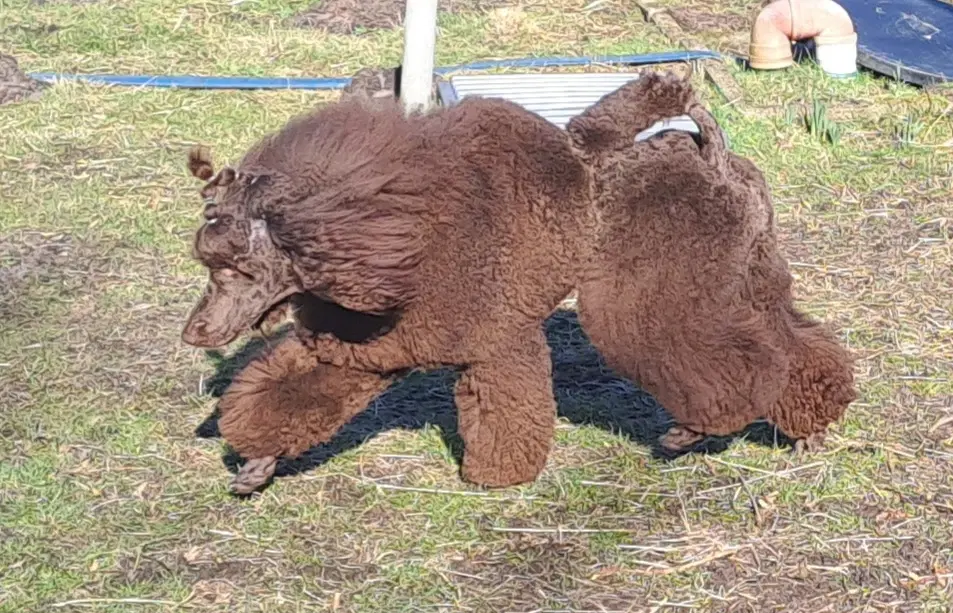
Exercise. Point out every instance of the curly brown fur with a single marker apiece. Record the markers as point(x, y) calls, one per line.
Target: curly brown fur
point(664, 297)
point(286, 401)
point(200, 162)
point(686, 291)
point(506, 414)
point(821, 383)
point(610, 125)
point(462, 227)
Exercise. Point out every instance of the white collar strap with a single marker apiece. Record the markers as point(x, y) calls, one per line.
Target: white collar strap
point(681, 123)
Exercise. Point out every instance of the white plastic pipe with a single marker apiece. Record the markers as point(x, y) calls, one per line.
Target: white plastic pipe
point(784, 21)
point(420, 40)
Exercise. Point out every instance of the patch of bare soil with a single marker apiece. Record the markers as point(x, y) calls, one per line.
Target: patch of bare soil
point(352, 16)
point(523, 573)
point(378, 83)
point(73, 2)
point(34, 31)
point(58, 281)
point(197, 563)
point(374, 83)
point(701, 20)
point(14, 84)
point(31, 258)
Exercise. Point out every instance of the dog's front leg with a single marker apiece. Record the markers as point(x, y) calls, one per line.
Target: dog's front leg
point(395, 351)
point(284, 402)
point(507, 414)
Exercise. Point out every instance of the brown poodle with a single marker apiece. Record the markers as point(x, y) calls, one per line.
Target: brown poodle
point(461, 228)
point(687, 293)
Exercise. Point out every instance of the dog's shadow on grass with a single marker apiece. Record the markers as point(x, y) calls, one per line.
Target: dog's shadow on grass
point(587, 394)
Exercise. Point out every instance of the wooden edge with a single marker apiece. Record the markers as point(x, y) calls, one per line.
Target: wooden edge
point(715, 71)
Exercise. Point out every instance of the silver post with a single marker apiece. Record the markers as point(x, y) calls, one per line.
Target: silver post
point(420, 39)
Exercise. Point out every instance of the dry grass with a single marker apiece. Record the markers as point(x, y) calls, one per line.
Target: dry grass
point(724, 26)
point(112, 486)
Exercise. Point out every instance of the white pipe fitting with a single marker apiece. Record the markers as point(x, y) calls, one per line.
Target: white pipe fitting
point(837, 56)
point(784, 21)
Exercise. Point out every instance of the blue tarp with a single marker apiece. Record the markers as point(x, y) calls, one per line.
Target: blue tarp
point(910, 40)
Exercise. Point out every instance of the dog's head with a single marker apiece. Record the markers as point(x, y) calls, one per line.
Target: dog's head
point(248, 274)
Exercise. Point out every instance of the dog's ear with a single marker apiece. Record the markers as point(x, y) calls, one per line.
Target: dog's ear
point(200, 162)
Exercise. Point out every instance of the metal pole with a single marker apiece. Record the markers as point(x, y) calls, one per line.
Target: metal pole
point(420, 39)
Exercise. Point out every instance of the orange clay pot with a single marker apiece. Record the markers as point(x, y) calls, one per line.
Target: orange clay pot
point(784, 21)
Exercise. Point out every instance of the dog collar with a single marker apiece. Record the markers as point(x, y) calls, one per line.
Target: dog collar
point(680, 123)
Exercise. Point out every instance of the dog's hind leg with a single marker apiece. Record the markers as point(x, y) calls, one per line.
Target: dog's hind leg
point(507, 414)
point(284, 402)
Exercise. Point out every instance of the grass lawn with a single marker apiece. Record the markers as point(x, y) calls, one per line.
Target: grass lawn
point(113, 493)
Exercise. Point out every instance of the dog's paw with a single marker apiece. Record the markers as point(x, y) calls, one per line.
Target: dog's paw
point(678, 438)
point(810, 444)
point(253, 474)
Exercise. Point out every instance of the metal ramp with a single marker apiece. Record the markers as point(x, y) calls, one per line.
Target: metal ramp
point(555, 97)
